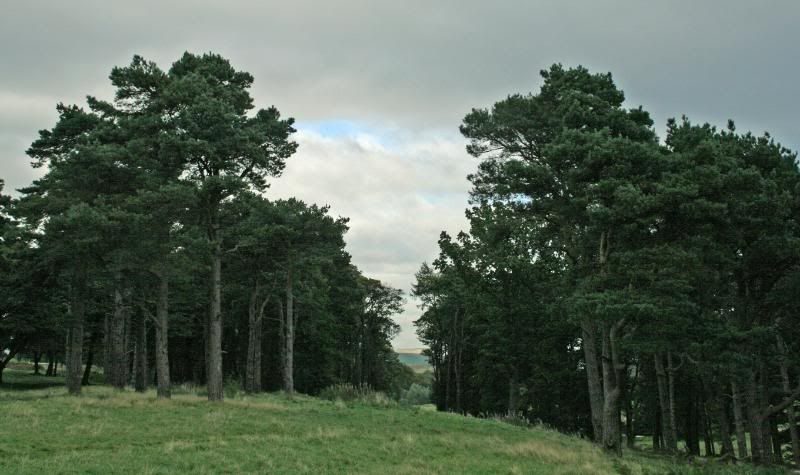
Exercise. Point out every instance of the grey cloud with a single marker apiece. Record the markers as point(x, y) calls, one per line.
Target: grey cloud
point(426, 63)
point(393, 227)
point(412, 67)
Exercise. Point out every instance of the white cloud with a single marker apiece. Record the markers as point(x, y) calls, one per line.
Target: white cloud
point(414, 69)
point(399, 197)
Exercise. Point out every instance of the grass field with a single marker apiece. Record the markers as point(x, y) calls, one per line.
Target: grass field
point(107, 431)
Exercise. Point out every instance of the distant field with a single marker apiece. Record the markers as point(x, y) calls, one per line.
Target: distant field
point(415, 360)
point(106, 431)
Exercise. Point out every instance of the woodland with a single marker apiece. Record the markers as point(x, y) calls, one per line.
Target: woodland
point(624, 287)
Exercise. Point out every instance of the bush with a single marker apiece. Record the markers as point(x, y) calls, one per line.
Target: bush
point(416, 395)
point(232, 388)
point(347, 392)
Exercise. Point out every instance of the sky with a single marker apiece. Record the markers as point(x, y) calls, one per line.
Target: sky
point(379, 88)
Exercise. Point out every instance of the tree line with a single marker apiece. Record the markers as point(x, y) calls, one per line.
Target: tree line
point(147, 248)
point(613, 284)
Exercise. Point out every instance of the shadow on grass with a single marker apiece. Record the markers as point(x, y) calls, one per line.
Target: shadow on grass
point(18, 380)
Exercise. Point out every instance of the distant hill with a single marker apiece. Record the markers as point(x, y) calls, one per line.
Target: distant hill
point(412, 351)
point(413, 357)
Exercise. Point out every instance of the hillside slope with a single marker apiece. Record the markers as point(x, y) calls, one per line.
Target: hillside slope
point(103, 431)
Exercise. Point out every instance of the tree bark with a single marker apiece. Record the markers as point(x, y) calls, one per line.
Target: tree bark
point(77, 310)
point(513, 393)
point(755, 420)
point(767, 419)
point(107, 371)
point(739, 422)
point(593, 378)
point(791, 417)
point(358, 362)
point(777, 452)
point(119, 360)
point(673, 423)
point(692, 423)
point(140, 358)
point(281, 336)
point(612, 377)
point(255, 326)
point(630, 436)
point(50, 361)
point(162, 338)
point(724, 425)
point(288, 365)
point(658, 431)
point(669, 434)
point(37, 357)
point(214, 377)
point(459, 332)
point(5, 359)
point(87, 372)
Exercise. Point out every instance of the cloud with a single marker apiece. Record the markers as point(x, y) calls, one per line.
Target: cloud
point(380, 88)
point(399, 191)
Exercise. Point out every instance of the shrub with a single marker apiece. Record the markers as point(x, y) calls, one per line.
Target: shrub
point(355, 393)
point(416, 395)
point(232, 388)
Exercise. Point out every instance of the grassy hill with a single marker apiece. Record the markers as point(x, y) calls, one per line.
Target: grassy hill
point(414, 359)
point(105, 431)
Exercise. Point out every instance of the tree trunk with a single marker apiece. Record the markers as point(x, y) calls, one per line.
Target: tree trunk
point(738, 420)
point(119, 360)
point(106, 349)
point(777, 452)
point(673, 423)
point(5, 359)
point(630, 436)
point(281, 337)
point(77, 310)
point(87, 373)
point(130, 347)
point(724, 425)
point(255, 321)
point(358, 370)
point(593, 377)
point(657, 431)
point(140, 358)
point(755, 421)
point(37, 357)
point(163, 390)
point(448, 385)
point(50, 364)
point(513, 393)
point(214, 377)
point(612, 376)
point(459, 332)
point(669, 434)
point(288, 365)
point(692, 423)
point(791, 417)
point(767, 419)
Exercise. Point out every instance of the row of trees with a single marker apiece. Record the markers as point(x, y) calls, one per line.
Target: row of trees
point(148, 248)
point(611, 280)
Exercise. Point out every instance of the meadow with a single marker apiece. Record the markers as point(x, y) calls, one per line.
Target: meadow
point(110, 431)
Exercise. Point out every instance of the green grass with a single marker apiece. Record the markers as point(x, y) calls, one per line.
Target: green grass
point(107, 431)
